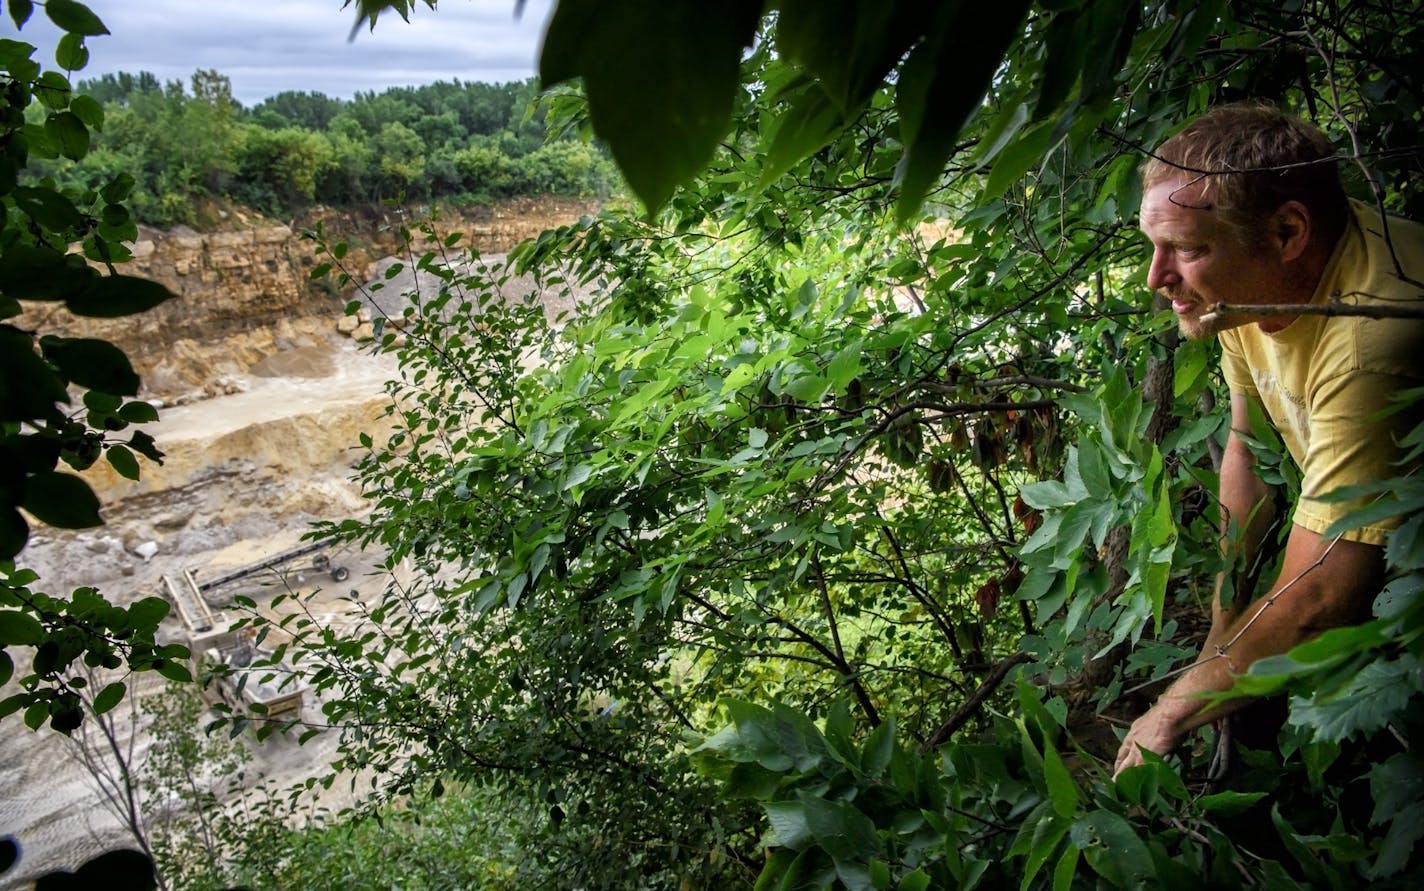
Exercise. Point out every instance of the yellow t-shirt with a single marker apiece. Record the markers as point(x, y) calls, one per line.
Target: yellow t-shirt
point(1323, 379)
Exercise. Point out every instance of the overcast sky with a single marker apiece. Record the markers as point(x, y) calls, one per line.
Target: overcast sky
point(268, 46)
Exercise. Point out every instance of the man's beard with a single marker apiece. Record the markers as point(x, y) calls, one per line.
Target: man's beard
point(1201, 323)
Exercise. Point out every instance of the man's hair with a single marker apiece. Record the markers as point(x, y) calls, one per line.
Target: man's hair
point(1254, 158)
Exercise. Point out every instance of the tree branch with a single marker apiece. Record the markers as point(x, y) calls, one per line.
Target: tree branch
point(971, 705)
point(1333, 308)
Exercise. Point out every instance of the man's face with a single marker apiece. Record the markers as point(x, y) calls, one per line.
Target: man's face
point(1198, 261)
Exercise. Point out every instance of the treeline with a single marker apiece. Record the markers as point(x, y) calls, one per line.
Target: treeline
point(468, 142)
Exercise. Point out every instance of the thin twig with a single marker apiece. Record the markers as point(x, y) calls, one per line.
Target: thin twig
point(1222, 650)
point(1332, 308)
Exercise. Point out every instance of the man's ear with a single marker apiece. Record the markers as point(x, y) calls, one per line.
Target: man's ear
point(1290, 230)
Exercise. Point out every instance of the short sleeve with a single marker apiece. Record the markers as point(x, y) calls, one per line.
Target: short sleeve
point(1233, 365)
point(1351, 445)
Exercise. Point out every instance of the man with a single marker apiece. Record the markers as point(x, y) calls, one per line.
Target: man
point(1278, 233)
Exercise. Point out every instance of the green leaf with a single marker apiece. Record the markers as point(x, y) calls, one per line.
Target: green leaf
point(789, 828)
point(174, 671)
point(112, 296)
point(138, 412)
point(122, 870)
point(88, 109)
point(1047, 833)
point(1002, 129)
point(577, 475)
point(1016, 160)
point(841, 829)
point(661, 80)
point(918, 880)
point(74, 17)
point(1372, 698)
point(70, 52)
point(48, 208)
point(847, 45)
point(809, 124)
point(109, 697)
point(1229, 804)
point(7, 670)
point(145, 614)
point(1063, 62)
point(120, 187)
point(62, 500)
point(1397, 786)
point(123, 461)
point(20, 11)
point(1065, 870)
point(1062, 791)
point(875, 757)
point(1298, 847)
point(11, 704)
point(1405, 830)
point(96, 364)
point(14, 532)
point(142, 443)
point(53, 91)
point(1110, 28)
point(15, 56)
point(1191, 362)
point(949, 74)
point(117, 224)
point(20, 629)
point(36, 714)
point(1113, 849)
point(837, 733)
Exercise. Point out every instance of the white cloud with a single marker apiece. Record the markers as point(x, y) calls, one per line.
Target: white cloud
point(268, 47)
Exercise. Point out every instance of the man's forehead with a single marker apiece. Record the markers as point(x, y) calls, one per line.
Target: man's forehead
point(1174, 205)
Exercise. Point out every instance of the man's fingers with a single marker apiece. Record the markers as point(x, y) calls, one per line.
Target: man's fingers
point(1127, 756)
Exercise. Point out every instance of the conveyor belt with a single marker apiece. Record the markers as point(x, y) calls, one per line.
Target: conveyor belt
point(269, 563)
point(188, 598)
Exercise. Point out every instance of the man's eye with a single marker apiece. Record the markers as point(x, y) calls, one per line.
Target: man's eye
point(1190, 251)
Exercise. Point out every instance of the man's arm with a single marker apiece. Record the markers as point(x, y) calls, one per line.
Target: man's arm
point(1305, 600)
point(1246, 511)
point(1323, 584)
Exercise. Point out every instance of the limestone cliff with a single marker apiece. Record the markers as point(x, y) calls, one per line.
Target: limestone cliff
point(245, 293)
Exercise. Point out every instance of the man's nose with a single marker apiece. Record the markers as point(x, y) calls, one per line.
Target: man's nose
point(1162, 272)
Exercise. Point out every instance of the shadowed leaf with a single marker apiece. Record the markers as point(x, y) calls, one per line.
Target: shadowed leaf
point(661, 79)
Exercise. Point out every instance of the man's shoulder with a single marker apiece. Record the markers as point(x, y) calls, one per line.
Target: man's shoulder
point(1388, 262)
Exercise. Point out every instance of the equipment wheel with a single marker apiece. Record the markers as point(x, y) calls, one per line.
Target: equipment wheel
point(320, 562)
point(341, 573)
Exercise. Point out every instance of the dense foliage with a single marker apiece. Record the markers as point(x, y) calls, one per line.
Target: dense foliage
point(846, 478)
point(827, 545)
point(449, 141)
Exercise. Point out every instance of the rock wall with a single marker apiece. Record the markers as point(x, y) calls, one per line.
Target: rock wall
point(246, 293)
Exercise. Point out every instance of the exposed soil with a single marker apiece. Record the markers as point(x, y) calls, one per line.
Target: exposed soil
point(254, 454)
point(246, 472)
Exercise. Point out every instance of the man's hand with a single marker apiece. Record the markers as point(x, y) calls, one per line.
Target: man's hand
point(1155, 731)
